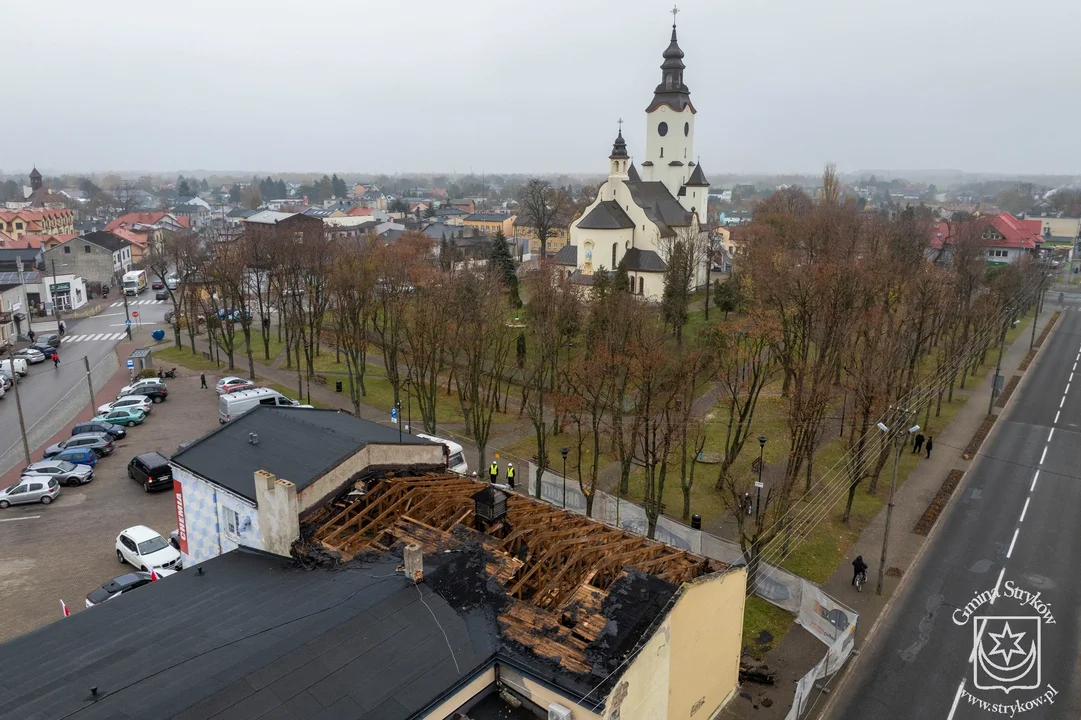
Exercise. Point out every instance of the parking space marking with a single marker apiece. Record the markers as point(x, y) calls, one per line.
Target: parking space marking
point(25, 517)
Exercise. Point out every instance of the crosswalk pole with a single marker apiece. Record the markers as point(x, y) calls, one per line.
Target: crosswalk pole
point(127, 317)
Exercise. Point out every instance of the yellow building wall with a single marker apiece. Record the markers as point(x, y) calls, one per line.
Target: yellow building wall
point(690, 667)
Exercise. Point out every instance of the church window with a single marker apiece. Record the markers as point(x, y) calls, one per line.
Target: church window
point(686, 129)
point(614, 246)
point(668, 81)
point(662, 149)
point(641, 286)
point(662, 129)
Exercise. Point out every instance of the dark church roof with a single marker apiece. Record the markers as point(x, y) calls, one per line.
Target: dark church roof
point(633, 175)
point(660, 207)
point(619, 148)
point(698, 178)
point(639, 260)
point(606, 215)
point(672, 91)
point(567, 255)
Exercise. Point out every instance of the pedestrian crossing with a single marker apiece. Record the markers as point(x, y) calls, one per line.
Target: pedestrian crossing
point(93, 337)
point(139, 302)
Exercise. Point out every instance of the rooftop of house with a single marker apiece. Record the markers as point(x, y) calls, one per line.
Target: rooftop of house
point(298, 444)
point(567, 255)
point(257, 635)
point(268, 217)
point(109, 241)
point(147, 218)
point(488, 217)
point(1011, 232)
point(450, 211)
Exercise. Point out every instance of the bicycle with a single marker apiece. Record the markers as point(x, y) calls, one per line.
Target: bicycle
point(860, 580)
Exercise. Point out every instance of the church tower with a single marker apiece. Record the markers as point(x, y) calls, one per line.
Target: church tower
point(35, 179)
point(670, 124)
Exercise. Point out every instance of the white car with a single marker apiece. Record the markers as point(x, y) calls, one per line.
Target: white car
point(230, 380)
point(138, 402)
point(134, 388)
point(143, 548)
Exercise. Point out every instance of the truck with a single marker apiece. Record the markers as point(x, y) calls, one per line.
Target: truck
point(134, 282)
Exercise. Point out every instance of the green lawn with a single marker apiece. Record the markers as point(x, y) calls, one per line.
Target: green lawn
point(166, 354)
point(759, 615)
point(257, 346)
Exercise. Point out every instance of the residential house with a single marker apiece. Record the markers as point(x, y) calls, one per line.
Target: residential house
point(466, 205)
point(1005, 238)
point(11, 299)
point(419, 207)
point(558, 235)
point(23, 298)
point(16, 224)
point(237, 216)
point(451, 216)
point(196, 211)
point(99, 257)
point(1055, 228)
point(490, 223)
point(314, 453)
point(145, 230)
point(374, 199)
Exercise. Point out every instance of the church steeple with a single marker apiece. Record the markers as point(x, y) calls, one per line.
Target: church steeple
point(619, 159)
point(619, 148)
point(672, 91)
point(35, 179)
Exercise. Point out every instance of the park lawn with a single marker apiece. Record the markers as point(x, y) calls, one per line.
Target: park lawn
point(759, 615)
point(166, 354)
point(291, 392)
point(257, 346)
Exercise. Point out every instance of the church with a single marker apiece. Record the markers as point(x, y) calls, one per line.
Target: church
point(638, 216)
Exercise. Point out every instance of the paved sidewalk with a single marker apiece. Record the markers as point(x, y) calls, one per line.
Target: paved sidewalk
point(799, 651)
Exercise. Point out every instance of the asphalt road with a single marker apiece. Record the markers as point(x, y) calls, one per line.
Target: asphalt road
point(1013, 530)
point(50, 396)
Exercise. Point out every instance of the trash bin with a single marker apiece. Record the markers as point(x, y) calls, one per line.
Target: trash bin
point(338, 385)
point(696, 522)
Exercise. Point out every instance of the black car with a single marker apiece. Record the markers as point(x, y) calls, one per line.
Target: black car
point(161, 295)
point(96, 426)
point(155, 393)
point(117, 586)
point(45, 348)
point(52, 340)
point(151, 470)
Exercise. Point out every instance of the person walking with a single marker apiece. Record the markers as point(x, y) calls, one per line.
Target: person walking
point(493, 471)
point(918, 445)
point(930, 444)
point(56, 360)
point(31, 334)
point(510, 474)
point(858, 566)
point(202, 381)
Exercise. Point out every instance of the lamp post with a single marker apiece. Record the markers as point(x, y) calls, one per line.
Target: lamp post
point(563, 452)
point(409, 401)
point(52, 293)
point(900, 437)
point(758, 485)
point(398, 406)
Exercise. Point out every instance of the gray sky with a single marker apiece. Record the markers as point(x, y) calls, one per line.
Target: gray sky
point(510, 86)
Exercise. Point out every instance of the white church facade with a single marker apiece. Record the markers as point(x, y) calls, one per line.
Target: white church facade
point(637, 217)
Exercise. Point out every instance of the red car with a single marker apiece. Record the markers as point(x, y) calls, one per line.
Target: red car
point(235, 386)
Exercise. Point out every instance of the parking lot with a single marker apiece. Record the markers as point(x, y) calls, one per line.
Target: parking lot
point(64, 550)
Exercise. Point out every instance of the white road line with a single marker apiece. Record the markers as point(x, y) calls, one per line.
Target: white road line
point(1024, 510)
point(1012, 542)
point(1067, 391)
point(994, 593)
point(1050, 434)
point(1075, 366)
point(957, 696)
point(27, 517)
point(1071, 379)
point(1057, 413)
point(1034, 478)
point(1062, 402)
point(1043, 456)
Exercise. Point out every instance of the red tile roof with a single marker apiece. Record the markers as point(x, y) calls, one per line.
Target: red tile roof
point(131, 236)
point(359, 211)
point(145, 218)
point(1023, 234)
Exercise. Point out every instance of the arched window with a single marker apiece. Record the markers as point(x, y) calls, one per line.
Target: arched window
point(668, 81)
point(614, 246)
point(641, 286)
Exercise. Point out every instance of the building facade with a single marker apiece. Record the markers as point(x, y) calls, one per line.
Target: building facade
point(491, 223)
point(97, 257)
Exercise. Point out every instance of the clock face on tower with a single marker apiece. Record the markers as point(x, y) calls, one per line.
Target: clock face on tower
point(662, 129)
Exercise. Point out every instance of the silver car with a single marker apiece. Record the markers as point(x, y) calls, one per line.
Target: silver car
point(30, 489)
point(66, 473)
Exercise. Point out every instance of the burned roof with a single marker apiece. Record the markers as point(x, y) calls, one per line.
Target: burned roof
point(571, 596)
point(299, 444)
point(606, 215)
point(252, 635)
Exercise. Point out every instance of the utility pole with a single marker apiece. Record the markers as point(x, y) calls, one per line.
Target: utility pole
point(89, 383)
point(127, 316)
point(998, 364)
point(1039, 299)
point(18, 402)
point(899, 436)
point(52, 293)
point(25, 300)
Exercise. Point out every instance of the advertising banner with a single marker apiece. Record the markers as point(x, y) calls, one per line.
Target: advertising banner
point(181, 521)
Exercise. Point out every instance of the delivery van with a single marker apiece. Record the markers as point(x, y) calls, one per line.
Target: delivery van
point(20, 367)
point(456, 458)
point(235, 404)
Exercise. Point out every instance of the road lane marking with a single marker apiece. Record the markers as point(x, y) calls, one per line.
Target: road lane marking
point(1043, 456)
point(1050, 434)
point(994, 594)
point(1067, 390)
point(957, 697)
point(1034, 477)
point(27, 517)
point(1012, 543)
point(1062, 402)
point(1024, 510)
point(1071, 378)
point(1057, 413)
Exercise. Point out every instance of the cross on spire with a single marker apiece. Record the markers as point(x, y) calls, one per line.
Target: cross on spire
point(675, 11)
point(620, 122)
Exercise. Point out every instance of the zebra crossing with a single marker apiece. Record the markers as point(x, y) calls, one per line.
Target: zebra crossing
point(138, 302)
point(93, 337)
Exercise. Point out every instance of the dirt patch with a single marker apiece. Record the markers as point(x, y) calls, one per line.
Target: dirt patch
point(977, 439)
point(1027, 361)
point(1010, 387)
point(938, 503)
point(1046, 330)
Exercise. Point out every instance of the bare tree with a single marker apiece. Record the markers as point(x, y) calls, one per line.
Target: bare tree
point(352, 287)
point(430, 335)
point(541, 206)
point(400, 267)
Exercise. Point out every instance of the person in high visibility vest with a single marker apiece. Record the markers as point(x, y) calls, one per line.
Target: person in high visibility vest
point(493, 471)
point(510, 474)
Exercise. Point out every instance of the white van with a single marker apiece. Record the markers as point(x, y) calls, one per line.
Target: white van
point(456, 460)
point(235, 404)
point(20, 367)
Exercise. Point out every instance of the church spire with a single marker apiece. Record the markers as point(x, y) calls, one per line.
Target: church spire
point(672, 91)
point(619, 148)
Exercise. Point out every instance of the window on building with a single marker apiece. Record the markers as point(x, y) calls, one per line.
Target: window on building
point(614, 246)
point(18, 226)
point(662, 152)
point(231, 521)
point(86, 249)
point(641, 286)
point(67, 250)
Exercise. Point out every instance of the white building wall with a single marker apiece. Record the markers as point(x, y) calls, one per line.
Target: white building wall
point(677, 144)
point(204, 505)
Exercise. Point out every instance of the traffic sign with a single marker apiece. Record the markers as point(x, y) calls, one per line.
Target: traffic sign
point(135, 313)
point(127, 322)
point(758, 484)
point(394, 415)
point(131, 364)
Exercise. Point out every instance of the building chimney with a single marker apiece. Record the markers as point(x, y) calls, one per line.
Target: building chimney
point(414, 562)
point(277, 513)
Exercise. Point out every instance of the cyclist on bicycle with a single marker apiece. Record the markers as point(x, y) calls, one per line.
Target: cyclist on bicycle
point(858, 567)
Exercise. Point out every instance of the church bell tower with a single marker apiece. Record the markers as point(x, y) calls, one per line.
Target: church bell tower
point(670, 123)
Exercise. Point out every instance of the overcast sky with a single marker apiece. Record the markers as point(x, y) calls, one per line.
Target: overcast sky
point(510, 86)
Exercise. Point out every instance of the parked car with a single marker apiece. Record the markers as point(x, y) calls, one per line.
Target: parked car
point(122, 416)
point(117, 432)
point(157, 285)
point(99, 442)
point(79, 456)
point(154, 393)
point(44, 348)
point(20, 367)
point(31, 355)
point(5, 381)
point(120, 585)
point(229, 380)
point(152, 471)
point(136, 402)
point(237, 387)
point(142, 547)
point(64, 472)
point(52, 340)
point(30, 489)
point(134, 388)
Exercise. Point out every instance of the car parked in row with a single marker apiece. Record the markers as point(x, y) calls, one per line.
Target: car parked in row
point(20, 368)
point(31, 355)
point(145, 549)
point(30, 489)
point(91, 426)
point(123, 416)
point(152, 471)
point(138, 385)
point(120, 585)
point(101, 443)
point(44, 348)
point(64, 472)
point(5, 381)
point(161, 295)
point(78, 456)
point(228, 381)
point(132, 402)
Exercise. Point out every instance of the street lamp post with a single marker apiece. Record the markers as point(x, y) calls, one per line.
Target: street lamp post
point(398, 406)
point(900, 437)
point(56, 305)
point(758, 485)
point(563, 452)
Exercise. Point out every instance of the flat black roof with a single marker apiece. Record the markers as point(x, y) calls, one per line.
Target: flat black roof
point(296, 444)
point(254, 636)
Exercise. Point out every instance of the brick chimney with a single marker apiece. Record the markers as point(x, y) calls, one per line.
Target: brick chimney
point(276, 509)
